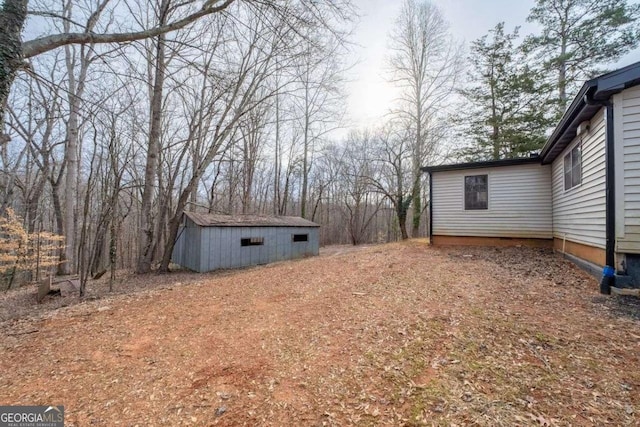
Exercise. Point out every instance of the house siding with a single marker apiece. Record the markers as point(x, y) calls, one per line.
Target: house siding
point(627, 128)
point(519, 203)
point(579, 213)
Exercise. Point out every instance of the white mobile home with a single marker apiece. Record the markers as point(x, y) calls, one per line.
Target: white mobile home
point(209, 242)
point(581, 195)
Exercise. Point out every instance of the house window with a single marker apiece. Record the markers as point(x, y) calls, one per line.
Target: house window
point(300, 238)
point(252, 241)
point(573, 167)
point(476, 192)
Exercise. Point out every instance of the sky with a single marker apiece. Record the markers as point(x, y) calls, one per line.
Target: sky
point(369, 95)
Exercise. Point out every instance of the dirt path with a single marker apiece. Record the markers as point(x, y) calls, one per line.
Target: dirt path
point(398, 334)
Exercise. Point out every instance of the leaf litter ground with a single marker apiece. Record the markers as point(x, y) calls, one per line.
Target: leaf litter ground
point(397, 334)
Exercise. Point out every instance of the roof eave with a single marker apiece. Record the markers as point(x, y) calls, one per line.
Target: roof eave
point(483, 164)
point(197, 220)
point(567, 119)
point(600, 90)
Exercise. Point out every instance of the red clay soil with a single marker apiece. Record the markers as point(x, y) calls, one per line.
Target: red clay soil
point(398, 334)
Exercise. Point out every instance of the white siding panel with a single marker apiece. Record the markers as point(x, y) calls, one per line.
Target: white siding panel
point(632, 93)
point(579, 213)
point(629, 112)
point(519, 203)
point(628, 107)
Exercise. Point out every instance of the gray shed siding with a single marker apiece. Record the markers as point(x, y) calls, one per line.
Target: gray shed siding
point(185, 253)
point(205, 249)
point(221, 246)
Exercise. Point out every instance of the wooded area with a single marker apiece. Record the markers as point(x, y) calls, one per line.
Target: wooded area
point(118, 116)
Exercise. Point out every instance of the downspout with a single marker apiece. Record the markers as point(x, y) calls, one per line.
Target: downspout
point(430, 233)
point(608, 274)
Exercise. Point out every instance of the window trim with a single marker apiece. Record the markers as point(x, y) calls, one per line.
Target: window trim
point(569, 155)
point(247, 242)
point(464, 193)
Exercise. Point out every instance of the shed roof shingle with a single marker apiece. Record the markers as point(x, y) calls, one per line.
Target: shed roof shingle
point(214, 220)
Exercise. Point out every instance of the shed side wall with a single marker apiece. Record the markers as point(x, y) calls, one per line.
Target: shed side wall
point(221, 246)
point(579, 213)
point(519, 203)
point(186, 251)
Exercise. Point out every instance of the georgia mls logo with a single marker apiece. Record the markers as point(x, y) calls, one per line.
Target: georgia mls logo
point(31, 416)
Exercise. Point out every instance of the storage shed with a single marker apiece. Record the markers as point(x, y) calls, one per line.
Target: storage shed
point(209, 242)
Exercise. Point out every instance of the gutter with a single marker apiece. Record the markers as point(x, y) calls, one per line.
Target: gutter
point(569, 116)
point(483, 164)
point(608, 280)
point(430, 231)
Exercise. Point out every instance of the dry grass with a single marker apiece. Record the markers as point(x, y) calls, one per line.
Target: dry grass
point(398, 334)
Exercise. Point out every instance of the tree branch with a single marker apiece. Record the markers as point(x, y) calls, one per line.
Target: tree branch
point(44, 44)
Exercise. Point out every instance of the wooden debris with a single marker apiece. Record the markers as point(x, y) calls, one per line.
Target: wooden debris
point(70, 287)
point(626, 292)
point(44, 287)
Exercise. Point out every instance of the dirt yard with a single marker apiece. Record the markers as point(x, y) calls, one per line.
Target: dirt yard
point(398, 334)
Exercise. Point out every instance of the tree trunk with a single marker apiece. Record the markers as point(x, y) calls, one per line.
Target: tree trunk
point(305, 159)
point(401, 211)
point(57, 210)
point(495, 143)
point(75, 92)
point(146, 234)
point(416, 198)
point(418, 157)
point(71, 161)
point(562, 63)
point(277, 160)
point(113, 245)
point(12, 17)
point(174, 223)
point(562, 84)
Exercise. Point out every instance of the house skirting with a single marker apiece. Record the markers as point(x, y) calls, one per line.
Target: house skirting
point(592, 254)
point(490, 241)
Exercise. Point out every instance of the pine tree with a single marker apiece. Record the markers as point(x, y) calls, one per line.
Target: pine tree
point(509, 109)
point(578, 36)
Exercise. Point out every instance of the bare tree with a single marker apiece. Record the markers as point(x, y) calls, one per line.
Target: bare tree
point(319, 77)
point(252, 135)
point(75, 91)
point(147, 225)
point(394, 158)
point(358, 170)
point(425, 64)
point(235, 97)
point(34, 121)
point(94, 157)
point(14, 14)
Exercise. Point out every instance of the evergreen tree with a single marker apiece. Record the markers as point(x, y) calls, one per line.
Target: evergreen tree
point(509, 108)
point(579, 35)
